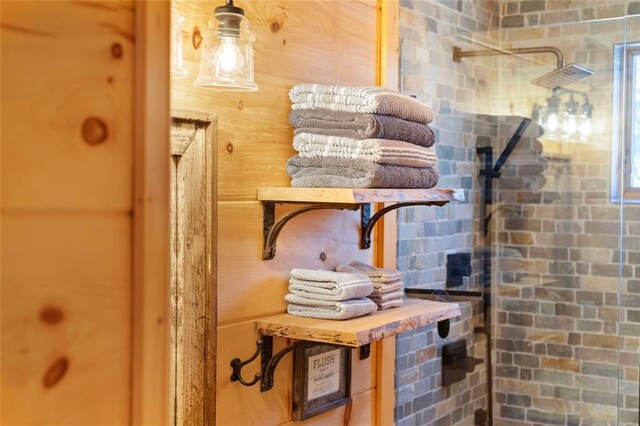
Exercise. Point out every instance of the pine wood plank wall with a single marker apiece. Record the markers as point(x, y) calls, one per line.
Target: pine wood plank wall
point(320, 41)
point(67, 178)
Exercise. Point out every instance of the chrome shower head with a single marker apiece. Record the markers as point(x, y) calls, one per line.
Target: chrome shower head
point(562, 76)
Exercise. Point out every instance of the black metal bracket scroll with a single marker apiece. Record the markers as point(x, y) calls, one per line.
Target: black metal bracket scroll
point(367, 222)
point(271, 227)
point(269, 361)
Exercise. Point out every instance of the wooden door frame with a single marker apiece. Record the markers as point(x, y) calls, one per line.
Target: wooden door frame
point(206, 367)
point(150, 292)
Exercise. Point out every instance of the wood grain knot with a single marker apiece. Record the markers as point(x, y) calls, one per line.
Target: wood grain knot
point(196, 39)
point(55, 373)
point(229, 148)
point(51, 315)
point(240, 105)
point(116, 50)
point(94, 131)
point(323, 256)
point(275, 26)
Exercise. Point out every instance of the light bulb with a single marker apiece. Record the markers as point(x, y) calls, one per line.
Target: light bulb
point(228, 58)
point(570, 125)
point(585, 128)
point(552, 122)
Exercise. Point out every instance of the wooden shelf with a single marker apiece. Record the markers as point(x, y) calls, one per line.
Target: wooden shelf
point(357, 195)
point(359, 331)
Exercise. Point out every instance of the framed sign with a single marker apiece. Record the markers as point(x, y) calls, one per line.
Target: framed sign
point(321, 379)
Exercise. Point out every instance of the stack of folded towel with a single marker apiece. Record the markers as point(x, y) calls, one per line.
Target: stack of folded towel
point(360, 137)
point(329, 295)
point(387, 283)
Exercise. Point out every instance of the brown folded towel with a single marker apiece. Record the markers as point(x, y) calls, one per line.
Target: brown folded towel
point(349, 173)
point(360, 126)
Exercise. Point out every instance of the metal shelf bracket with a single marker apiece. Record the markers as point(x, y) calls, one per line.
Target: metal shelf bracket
point(269, 361)
point(367, 222)
point(271, 227)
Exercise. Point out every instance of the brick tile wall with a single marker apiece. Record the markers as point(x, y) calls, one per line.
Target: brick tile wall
point(556, 236)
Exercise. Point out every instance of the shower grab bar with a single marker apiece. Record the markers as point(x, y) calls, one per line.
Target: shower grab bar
point(458, 53)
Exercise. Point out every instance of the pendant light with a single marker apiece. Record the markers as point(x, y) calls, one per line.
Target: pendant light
point(227, 56)
point(177, 62)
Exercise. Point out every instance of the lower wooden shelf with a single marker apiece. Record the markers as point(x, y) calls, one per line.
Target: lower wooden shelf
point(359, 331)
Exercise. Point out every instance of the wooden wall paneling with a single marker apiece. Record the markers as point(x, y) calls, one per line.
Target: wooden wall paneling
point(150, 337)
point(67, 79)
point(65, 317)
point(67, 141)
point(356, 413)
point(193, 289)
point(297, 41)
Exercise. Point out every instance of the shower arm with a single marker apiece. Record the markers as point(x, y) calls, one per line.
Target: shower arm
point(458, 53)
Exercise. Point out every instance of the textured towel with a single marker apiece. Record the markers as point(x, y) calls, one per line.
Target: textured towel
point(345, 173)
point(389, 304)
point(382, 274)
point(385, 297)
point(380, 151)
point(329, 285)
point(369, 99)
point(337, 310)
point(386, 287)
point(381, 284)
point(357, 125)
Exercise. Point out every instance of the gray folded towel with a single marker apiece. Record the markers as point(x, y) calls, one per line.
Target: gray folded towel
point(382, 151)
point(348, 173)
point(383, 274)
point(341, 310)
point(394, 303)
point(357, 125)
point(369, 99)
point(328, 285)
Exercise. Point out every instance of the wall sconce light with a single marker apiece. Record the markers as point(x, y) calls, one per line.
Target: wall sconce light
point(585, 119)
point(227, 56)
point(177, 63)
point(569, 120)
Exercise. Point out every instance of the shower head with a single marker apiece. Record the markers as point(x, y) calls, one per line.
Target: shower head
point(563, 76)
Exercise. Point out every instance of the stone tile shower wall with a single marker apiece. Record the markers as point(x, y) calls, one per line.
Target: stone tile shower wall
point(567, 323)
point(426, 235)
point(556, 234)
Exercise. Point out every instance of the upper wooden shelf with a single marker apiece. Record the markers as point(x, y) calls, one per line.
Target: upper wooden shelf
point(357, 195)
point(359, 331)
point(343, 199)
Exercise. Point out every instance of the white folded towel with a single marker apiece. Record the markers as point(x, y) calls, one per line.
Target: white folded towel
point(367, 99)
point(339, 310)
point(382, 288)
point(329, 285)
point(380, 275)
point(381, 151)
point(385, 297)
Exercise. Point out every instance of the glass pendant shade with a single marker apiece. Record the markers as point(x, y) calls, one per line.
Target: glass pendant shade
point(177, 62)
point(227, 56)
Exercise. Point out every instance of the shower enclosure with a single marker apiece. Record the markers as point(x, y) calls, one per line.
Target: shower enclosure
point(552, 223)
